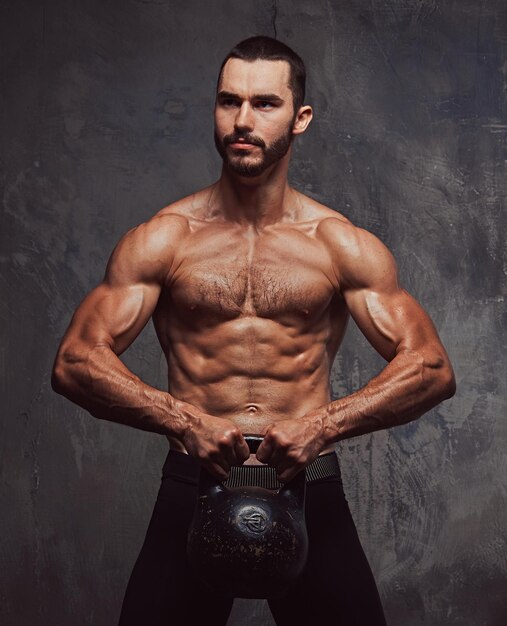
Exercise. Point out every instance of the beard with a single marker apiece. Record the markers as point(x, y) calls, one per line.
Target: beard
point(245, 165)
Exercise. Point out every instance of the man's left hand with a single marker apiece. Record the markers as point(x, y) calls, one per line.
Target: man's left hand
point(290, 445)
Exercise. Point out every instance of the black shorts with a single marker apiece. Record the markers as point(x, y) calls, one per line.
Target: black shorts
point(336, 586)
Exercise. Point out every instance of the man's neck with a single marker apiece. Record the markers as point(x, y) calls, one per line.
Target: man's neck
point(256, 201)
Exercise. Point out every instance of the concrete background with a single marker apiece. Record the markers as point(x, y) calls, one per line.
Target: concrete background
point(107, 117)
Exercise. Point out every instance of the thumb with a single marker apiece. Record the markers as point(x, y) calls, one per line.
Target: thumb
point(265, 451)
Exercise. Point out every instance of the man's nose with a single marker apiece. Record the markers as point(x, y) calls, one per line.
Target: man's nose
point(244, 119)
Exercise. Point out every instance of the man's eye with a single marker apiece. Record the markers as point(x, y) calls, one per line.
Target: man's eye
point(229, 102)
point(264, 105)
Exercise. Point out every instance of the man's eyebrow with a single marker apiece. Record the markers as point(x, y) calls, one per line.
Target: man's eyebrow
point(227, 94)
point(269, 97)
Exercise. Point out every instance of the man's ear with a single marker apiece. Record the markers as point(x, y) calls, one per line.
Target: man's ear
point(303, 118)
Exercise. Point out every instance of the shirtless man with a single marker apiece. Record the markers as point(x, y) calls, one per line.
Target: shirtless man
point(250, 285)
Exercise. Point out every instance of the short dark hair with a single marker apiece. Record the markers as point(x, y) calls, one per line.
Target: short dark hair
point(269, 49)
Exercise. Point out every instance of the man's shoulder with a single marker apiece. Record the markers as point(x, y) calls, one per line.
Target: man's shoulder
point(168, 224)
point(356, 252)
point(332, 227)
point(155, 240)
point(155, 237)
point(312, 210)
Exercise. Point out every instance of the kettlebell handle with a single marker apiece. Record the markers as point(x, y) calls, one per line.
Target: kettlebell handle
point(253, 442)
point(296, 487)
point(208, 484)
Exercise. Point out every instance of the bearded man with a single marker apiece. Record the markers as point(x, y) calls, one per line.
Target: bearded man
point(250, 284)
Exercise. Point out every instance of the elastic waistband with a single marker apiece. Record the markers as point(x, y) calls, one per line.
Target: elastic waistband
point(185, 468)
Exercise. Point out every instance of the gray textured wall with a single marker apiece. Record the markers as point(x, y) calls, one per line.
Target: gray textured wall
point(107, 117)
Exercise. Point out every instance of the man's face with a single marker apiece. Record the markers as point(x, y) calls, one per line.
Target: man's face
point(254, 115)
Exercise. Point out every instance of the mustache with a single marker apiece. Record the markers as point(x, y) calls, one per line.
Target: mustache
point(235, 137)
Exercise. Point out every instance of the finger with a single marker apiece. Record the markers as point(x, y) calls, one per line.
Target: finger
point(224, 452)
point(278, 457)
point(227, 455)
point(218, 471)
point(242, 451)
point(289, 473)
point(285, 477)
point(217, 459)
point(265, 451)
point(235, 450)
point(291, 463)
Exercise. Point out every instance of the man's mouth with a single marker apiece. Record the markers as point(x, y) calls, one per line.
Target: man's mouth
point(237, 142)
point(242, 145)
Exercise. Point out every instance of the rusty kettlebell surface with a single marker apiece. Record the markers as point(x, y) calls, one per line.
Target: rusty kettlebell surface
point(248, 542)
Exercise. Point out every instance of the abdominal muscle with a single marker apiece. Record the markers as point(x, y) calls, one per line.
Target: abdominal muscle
point(253, 404)
point(250, 370)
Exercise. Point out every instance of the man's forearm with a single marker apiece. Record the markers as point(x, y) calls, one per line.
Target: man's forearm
point(406, 388)
point(99, 382)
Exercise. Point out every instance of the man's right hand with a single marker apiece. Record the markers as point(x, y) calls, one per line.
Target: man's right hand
point(217, 443)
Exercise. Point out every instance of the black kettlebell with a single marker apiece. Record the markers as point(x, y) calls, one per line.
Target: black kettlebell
point(248, 542)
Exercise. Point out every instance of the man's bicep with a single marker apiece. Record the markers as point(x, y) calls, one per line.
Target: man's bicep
point(392, 320)
point(110, 316)
point(389, 317)
point(116, 311)
point(114, 315)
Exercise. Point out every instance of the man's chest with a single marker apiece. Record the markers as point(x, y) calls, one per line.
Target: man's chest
point(270, 278)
